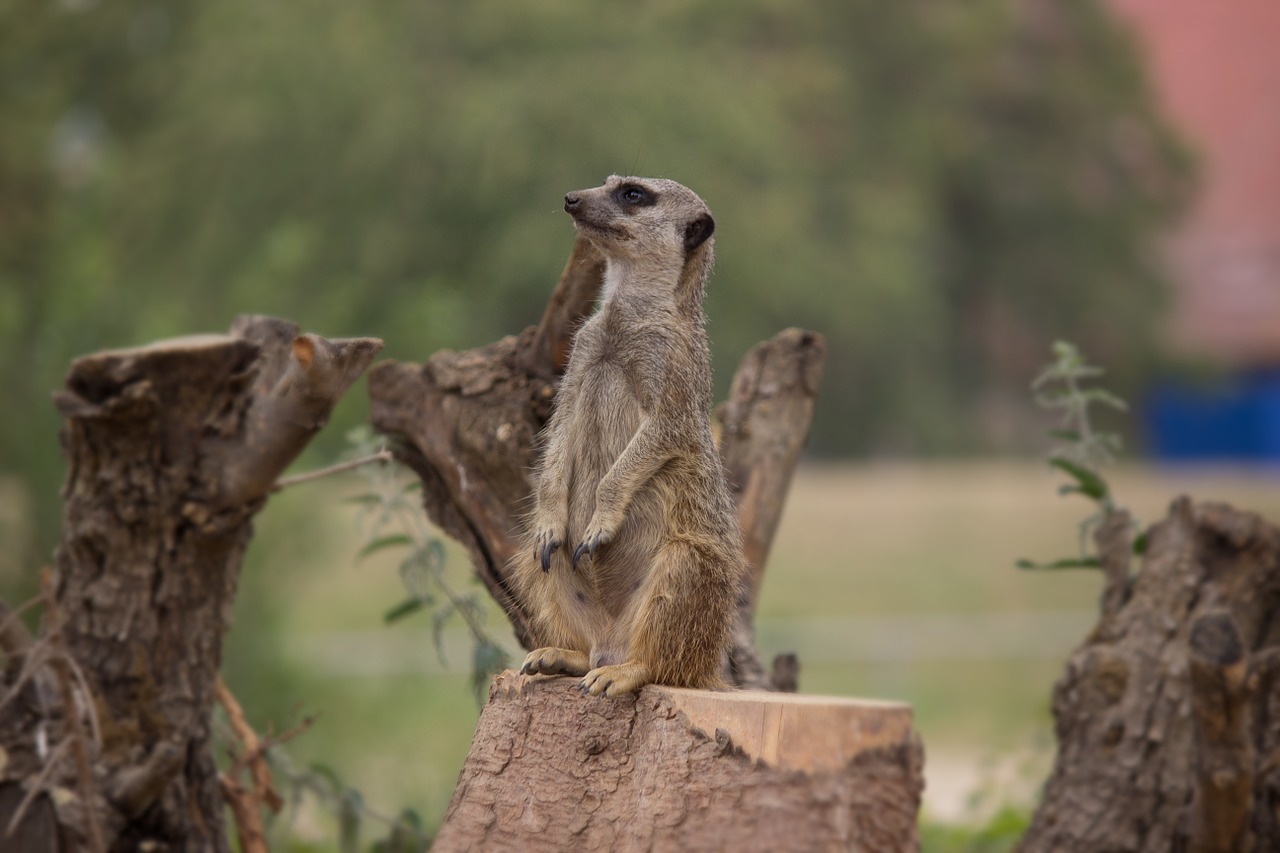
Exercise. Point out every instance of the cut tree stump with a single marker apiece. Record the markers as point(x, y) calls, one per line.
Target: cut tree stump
point(172, 448)
point(1168, 715)
point(675, 769)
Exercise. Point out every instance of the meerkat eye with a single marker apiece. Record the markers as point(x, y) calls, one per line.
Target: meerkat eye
point(634, 195)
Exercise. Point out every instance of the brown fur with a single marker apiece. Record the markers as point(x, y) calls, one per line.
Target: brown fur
point(630, 487)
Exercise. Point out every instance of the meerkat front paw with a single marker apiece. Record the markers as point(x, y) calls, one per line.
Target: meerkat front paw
point(616, 680)
point(551, 661)
point(545, 543)
point(597, 534)
point(549, 534)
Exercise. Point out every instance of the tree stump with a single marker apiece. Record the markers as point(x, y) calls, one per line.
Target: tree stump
point(172, 449)
point(1168, 716)
point(674, 769)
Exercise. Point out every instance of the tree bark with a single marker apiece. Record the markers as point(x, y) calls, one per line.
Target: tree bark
point(468, 423)
point(763, 427)
point(672, 769)
point(172, 449)
point(1168, 717)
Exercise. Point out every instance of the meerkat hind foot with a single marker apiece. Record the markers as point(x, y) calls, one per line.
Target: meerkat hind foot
point(552, 661)
point(616, 680)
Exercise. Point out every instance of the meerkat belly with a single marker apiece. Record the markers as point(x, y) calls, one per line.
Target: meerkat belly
point(600, 592)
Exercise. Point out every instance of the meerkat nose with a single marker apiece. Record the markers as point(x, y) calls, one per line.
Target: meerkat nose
point(570, 202)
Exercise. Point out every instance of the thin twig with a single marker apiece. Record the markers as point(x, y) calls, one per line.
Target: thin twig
point(15, 645)
point(75, 730)
point(382, 455)
point(265, 791)
point(35, 658)
point(271, 742)
point(244, 808)
point(38, 785)
point(90, 711)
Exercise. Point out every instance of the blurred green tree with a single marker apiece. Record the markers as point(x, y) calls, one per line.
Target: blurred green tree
point(938, 188)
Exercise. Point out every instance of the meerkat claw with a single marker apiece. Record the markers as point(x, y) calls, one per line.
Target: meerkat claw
point(547, 551)
point(589, 547)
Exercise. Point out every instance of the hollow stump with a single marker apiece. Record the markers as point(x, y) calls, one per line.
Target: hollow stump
point(669, 768)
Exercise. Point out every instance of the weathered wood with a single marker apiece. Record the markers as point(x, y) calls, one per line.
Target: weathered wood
point(1221, 704)
point(674, 769)
point(171, 450)
point(468, 424)
point(1168, 716)
point(764, 426)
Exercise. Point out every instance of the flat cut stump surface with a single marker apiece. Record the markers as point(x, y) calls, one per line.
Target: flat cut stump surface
point(550, 769)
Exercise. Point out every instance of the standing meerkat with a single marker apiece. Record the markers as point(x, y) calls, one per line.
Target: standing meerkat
point(633, 553)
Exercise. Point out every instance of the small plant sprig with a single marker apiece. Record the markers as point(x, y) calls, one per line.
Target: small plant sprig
point(404, 832)
point(397, 522)
point(1081, 450)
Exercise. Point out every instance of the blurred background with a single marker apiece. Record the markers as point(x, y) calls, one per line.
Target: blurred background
point(941, 189)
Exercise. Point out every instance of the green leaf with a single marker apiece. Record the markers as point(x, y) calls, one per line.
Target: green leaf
point(413, 486)
point(1065, 563)
point(390, 541)
point(438, 620)
point(1064, 434)
point(433, 557)
point(1140, 544)
point(1090, 483)
point(1098, 395)
point(405, 608)
point(365, 500)
point(322, 779)
point(488, 660)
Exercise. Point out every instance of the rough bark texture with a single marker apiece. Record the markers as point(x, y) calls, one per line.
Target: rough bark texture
point(1168, 717)
point(468, 423)
point(172, 449)
point(763, 427)
point(552, 770)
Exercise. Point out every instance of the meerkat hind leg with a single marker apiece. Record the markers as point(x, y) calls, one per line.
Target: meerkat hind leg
point(617, 680)
point(552, 661)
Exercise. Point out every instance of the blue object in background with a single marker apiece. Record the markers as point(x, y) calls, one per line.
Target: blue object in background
point(1237, 420)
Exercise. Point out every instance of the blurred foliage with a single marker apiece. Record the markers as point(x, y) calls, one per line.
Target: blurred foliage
point(999, 834)
point(937, 187)
point(394, 520)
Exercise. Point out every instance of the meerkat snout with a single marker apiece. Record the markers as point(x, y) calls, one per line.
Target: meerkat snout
point(570, 202)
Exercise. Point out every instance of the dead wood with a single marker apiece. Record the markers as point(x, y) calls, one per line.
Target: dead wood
point(172, 449)
point(467, 423)
point(674, 769)
point(1168, 717)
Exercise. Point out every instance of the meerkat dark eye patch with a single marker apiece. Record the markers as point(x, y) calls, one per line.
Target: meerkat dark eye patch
point(634, 195)
point(697, 231)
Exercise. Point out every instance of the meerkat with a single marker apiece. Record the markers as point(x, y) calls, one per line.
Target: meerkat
point(633, 551)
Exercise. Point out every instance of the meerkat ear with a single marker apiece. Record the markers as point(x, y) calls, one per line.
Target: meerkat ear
point(697, 231)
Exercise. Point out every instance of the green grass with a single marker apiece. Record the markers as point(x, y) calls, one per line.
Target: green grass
point(894, 581)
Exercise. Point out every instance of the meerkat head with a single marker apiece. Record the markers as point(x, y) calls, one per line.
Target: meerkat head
point(643, 219)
